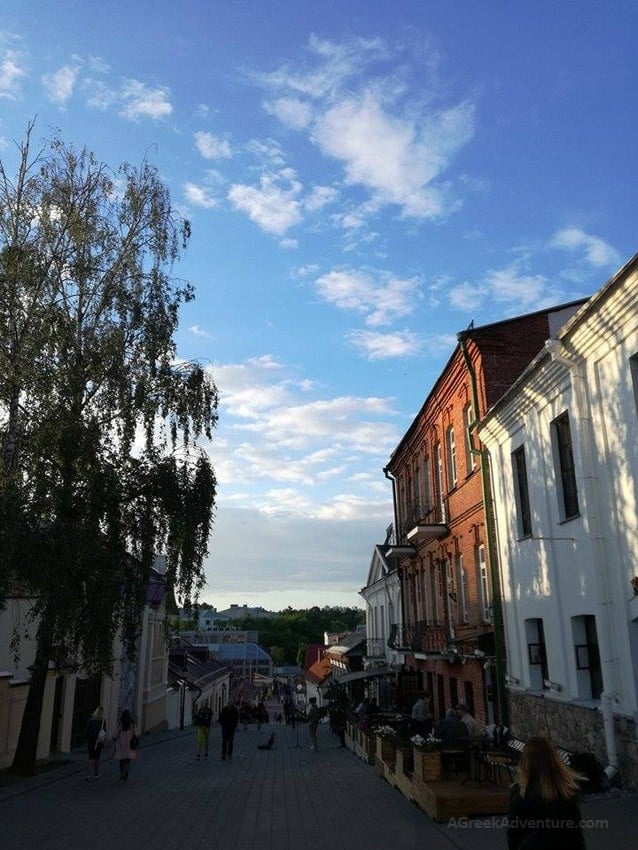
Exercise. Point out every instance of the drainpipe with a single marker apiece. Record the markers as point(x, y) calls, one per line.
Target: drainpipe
point(490, 533)
point(558, 354)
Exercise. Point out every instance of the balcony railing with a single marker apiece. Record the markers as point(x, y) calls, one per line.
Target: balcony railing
point(423, 637)
point(375, 648)
point(423, 515)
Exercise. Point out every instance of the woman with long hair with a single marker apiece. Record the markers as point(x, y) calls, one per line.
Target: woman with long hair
point(96, 738)
point(125, 744)
point(544, 812)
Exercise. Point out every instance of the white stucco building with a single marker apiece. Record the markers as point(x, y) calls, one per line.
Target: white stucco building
point(563, 444)
point(384, 621)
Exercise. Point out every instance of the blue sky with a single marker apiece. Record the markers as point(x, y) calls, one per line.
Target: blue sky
point(363, 180)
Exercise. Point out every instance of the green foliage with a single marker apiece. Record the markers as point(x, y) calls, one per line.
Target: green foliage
point(293, 629)
point(100, 467)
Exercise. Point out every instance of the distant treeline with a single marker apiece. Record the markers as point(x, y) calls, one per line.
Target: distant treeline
point(286, 634)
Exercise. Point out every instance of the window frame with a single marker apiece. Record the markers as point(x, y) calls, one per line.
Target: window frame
point(521, 493)
point(565, 467)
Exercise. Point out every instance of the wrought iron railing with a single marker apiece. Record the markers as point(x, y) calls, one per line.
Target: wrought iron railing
point(422, 513)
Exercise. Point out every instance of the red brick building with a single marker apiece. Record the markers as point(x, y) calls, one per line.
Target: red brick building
point(445, 536)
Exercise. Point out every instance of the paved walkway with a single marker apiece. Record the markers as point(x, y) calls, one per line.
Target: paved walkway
point(280, 799)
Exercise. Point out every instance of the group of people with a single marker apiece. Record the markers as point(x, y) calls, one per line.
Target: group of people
point(228, 721)
point(457, 724)
point(125, 741)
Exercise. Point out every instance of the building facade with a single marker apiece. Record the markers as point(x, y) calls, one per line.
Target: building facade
point(445, 536)
point(564, 449)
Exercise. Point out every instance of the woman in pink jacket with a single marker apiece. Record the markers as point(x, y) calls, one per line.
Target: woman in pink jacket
point(126, 744)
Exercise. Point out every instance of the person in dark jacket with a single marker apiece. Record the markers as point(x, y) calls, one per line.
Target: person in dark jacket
point(203, 719)
point(544, 813)
point(450, 730)
point(228, 719)
point(96, 738)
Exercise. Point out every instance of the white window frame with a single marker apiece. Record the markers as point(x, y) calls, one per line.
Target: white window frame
point(484, 582)
point(427, 484)
point(450, 443)
point(469, 457)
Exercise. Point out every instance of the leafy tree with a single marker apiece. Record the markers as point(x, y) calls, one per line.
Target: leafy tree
point(99, 420)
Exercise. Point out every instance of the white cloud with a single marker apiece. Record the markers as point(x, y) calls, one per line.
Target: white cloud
point(140, 101)
point(512, 286)
point(199, 196)
point(291, 111)
point(268, 151)
point(12, 70)
point(196, 330)
point(382, 346)
point(334, 64)
point(397, 158)
point(289, 244)
point(212, 147)
point(98, 65)
point(273, 205)
point(597, 252)
point(320, 197)
point(381, 300)
point(60, 84)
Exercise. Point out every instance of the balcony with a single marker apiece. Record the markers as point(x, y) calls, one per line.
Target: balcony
point(375, 648)
point(421, 637)
point(424, 522)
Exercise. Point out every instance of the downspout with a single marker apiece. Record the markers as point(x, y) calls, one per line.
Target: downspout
point(558, 354)
point(490, 529)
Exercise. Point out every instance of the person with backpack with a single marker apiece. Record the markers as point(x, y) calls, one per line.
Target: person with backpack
point(96, 738)
point(203, 719)
point(126, 744)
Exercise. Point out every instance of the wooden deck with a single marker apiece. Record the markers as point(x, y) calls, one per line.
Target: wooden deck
point(446, 799)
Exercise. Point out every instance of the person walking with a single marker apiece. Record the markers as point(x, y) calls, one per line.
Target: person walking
point(96, 738)
point(314, 716)
point(203, 719)
point(126, 744)
point(544, 811)
point(228, 719)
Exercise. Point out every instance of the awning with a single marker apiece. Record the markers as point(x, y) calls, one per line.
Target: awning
point(364, 674)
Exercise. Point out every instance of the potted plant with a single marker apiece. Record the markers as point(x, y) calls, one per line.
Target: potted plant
point(427, 757)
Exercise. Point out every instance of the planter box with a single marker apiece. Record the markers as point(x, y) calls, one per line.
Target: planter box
point(427, 766)
point(386, 750)
point(405, 759)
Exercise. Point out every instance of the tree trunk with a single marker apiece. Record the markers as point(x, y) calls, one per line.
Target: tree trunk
point(25, 757)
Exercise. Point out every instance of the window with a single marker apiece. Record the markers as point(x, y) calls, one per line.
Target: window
point(588, 670)
point(484, 583)
point(450, 596)
point(566, 473)
point(454, 691)
point(451, 458)
point(521, 493)
point(427, 486)
point(536, 653)
point(468, 418)
point(435, 585)
point(462, 589)
point(469, 697)
point(633, 364)
point(417, 492)
point(439, 480)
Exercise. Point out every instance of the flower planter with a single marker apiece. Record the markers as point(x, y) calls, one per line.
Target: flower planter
point(427, 766)
point(386, 750)
point(404, 759)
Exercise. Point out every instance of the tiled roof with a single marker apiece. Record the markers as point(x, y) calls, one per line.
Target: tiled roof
point(319, 671)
